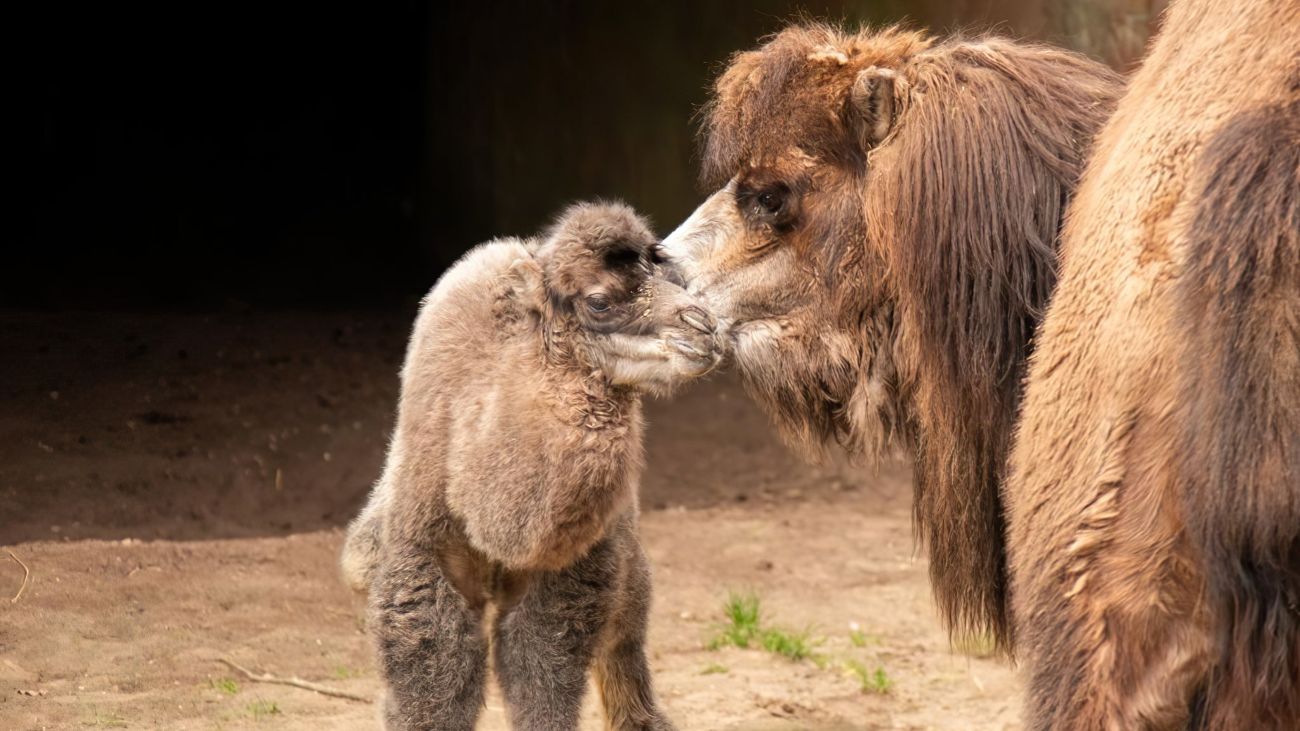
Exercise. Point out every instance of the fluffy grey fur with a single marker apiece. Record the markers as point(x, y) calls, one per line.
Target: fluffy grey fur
point(511, 479)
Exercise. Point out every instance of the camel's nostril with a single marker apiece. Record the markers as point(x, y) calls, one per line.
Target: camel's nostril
point(699, 319)
point(693, 349)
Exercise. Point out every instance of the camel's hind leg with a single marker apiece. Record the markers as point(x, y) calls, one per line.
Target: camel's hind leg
point(432, 649)
point(1127, 670)
point(1112, 624)
point(622, 671)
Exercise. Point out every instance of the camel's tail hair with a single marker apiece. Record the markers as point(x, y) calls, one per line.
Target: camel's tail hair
point(1239, 479)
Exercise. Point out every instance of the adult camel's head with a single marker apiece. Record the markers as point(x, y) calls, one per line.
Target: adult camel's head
point(881, 246)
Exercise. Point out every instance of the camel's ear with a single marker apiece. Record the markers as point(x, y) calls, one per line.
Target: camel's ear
point(872, 104)
point(525, 285)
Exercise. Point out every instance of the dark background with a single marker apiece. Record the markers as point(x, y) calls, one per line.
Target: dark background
point(208, 154)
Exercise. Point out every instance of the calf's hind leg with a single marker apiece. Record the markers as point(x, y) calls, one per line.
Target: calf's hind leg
point(432, 650)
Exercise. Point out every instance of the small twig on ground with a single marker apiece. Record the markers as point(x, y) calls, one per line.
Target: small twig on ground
point(292, 682)
point(27, 573)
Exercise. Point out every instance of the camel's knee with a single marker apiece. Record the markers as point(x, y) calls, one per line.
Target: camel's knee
point(555, 625)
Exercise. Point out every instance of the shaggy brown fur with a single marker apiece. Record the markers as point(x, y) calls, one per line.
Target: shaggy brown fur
point(882, 248)
point(1155, 488)
point(512, 479)
point(1240, 456)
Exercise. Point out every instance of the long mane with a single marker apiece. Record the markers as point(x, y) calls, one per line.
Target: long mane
point(967, 202)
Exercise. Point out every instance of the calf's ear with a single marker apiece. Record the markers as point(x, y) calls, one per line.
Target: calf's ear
point(524, 284)
point(873, 104)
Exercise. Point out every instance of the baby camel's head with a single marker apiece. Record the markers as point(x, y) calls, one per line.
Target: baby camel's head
point(608, 302)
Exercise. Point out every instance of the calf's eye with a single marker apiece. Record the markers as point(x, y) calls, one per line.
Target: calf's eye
point(597, 303)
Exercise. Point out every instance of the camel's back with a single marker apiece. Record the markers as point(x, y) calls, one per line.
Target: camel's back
point(459, 346)
point(456, 320)
point(1112, 322)
point(452, 341)
point(1227, 59)
point(453, 358)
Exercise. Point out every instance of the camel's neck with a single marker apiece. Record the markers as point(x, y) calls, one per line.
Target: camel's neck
point(582, 393)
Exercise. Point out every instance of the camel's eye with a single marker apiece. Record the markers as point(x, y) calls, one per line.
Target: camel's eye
point(774, 204)
point(597, 303)
point(772, 200)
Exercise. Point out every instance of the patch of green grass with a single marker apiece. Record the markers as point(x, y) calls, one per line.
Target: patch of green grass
point(260, 709)
point(224, 685)
point(791, 645)
point(742, 612)
point(743, 609)
point(870, 681)
point(744, 629)
point(714, 668)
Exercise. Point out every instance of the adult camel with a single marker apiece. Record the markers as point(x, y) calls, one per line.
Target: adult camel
point(882, 247)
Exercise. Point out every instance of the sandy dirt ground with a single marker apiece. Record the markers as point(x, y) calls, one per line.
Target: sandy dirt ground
point(177, 486)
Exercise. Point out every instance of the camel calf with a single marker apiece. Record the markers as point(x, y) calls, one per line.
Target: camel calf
point(512, 479)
